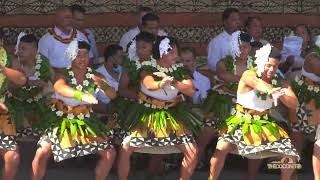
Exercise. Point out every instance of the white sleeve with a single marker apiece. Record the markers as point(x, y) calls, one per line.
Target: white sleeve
point(214, 54)
point(43, 45)
point(124, 41)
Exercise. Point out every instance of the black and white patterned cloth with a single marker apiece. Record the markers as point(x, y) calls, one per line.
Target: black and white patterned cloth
point(302, 125)
point(282, 147)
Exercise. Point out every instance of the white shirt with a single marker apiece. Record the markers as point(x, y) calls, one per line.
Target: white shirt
point(93, 46)
point(202, 84)
point(114, 83)
point(54, 50)
point(132, 33)
point(218, 48)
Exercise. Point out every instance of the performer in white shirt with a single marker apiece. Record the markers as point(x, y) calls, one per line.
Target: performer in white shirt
point(78, 16)
point(219, 47)
point(54, 43)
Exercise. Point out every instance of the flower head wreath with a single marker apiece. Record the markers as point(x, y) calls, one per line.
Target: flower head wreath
point(132, 50)
point(18, 42)
point(262, 57)
point(72, 50)
point(235, 44)
point(164, 47)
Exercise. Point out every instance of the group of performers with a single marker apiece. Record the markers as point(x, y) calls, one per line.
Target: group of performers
point(153, 101)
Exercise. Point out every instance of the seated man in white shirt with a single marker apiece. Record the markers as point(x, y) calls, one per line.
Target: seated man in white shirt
point(132, 33)
point(54, 43)
point(111, 71)
point(220, 46)
point(201, 82)
point(202, 85)
point(150, 24)
point(128, 36)
point(253, 26)
point(78, 16)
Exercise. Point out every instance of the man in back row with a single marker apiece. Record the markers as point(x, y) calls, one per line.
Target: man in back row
point(132, 33)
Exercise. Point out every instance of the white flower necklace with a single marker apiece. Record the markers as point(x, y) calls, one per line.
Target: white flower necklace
point(87, 84)
point(70, 116)
point(36, 75)
point(311, 88)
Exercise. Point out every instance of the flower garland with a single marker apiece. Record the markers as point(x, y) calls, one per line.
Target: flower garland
point(306, 91)
point(42, 72)
point(275, 82)
point(87, 86)
point(63, 40)
point(70, 116)
point(3, 78)
point(177, 71)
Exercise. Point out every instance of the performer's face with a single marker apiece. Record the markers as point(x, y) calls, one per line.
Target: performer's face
point(144, 50)
point(188, 60)
point(78, 20)
point(82, 59)
point(255, 29)
point(172, 56)
point(271, 67)
point(233, 23)
point(151, 27)
point(27, 51)
point(245, 49)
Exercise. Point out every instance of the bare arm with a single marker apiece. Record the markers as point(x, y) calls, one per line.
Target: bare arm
point(224, 75)
point(124, 90)
point(289, 99)
point(14, 76)
point(250, 79)
point(186, 87)
point(105, 86)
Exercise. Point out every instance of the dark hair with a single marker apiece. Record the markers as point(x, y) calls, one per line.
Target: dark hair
point(275, 53)
point(84, 45)
point(245, 37)
point(145, 37)
point(111, 50)
point(30, 38)
point(188, 49)
point(145, 9)
point(150, 17)
point(250, 20)
point(77, 8)
point(155, 48)
point(227, 12)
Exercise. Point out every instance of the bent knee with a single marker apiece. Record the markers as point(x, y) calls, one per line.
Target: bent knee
point(108, 154)
point(12, 157)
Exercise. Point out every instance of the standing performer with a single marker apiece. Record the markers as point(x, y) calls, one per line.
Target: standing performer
point(29, 102)
point(251, 132)
point(8, 145)
point(159, 123)
point(229, 70)
point(307, 88)
point(75, 131)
